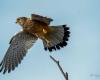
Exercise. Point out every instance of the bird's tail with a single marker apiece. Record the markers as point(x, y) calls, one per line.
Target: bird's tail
point(57, 38)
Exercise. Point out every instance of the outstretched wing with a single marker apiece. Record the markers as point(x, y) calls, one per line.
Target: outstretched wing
point(19, 45)
point(45, 20)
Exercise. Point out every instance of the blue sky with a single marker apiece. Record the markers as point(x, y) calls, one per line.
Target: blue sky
point(80, 58)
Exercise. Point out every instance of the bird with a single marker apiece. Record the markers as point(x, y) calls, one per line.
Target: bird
point(33, 28)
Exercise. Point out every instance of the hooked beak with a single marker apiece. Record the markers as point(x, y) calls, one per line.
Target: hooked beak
point(16, 22)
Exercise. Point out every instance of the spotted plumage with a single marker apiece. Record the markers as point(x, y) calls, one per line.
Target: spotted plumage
point(53, 37)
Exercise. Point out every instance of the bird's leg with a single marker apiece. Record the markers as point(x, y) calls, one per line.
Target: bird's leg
point(44, 38)
point(47, 41)
point(45, 32)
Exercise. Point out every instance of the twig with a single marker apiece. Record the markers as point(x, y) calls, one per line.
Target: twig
point(59, 66)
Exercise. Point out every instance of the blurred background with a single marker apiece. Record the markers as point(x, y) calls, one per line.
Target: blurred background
point(81, 57)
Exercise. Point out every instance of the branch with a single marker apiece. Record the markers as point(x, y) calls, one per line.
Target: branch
point(60, 68)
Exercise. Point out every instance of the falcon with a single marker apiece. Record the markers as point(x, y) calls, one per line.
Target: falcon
point(36, 27)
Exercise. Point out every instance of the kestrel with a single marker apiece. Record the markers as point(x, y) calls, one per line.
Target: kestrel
point(53, 37)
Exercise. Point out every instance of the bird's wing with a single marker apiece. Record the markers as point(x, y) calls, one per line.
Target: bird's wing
point(19, 45)
point(45, 20)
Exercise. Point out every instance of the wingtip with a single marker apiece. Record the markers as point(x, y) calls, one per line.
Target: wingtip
point(1, 69)
point(0, 64)
point(4, 71)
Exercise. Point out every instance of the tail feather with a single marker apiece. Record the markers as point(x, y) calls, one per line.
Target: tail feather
point(58, 38)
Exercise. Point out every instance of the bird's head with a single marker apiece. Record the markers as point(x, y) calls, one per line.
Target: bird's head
point(21, 21)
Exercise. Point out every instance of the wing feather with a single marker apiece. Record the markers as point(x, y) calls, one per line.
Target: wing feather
point(19, 45)
point(45, 20)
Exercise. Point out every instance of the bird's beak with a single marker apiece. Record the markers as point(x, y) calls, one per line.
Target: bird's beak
point(16, 22)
